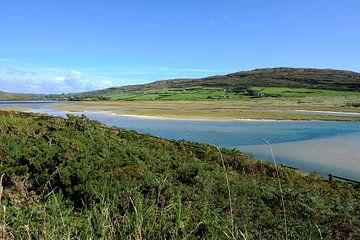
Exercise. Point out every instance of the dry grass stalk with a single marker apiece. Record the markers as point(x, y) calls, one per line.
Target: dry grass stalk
point(229, 194)
point(280, 187)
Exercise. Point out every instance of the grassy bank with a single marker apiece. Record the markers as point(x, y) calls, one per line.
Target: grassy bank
point(76, 178)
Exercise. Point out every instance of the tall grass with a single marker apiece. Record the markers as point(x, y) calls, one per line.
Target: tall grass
point(232, 232)
point(280, 186)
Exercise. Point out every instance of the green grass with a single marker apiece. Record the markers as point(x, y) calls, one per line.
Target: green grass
point(231, 94)
point(78, 179)
point(303, 92)
point(190, 94)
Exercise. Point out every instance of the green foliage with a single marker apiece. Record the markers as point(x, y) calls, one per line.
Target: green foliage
point(76, 178)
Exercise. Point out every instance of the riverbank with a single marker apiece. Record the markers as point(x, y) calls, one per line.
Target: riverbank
point(200, 110)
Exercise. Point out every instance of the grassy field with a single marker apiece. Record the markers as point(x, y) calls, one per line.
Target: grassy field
point(78, 179)
point(222, 93)
point(304, 92)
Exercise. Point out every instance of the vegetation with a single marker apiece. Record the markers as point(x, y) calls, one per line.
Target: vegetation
point(76, 178)
point(216, 93)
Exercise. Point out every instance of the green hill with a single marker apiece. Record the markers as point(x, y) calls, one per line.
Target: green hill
point(239, 83)
point(78, 179)
point(245, 83)
point(268, 77)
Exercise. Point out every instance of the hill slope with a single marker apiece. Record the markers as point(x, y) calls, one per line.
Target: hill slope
point(237, 83)
point(76, 178)
point(325, 79)
point(19, 96)
point(269, 77)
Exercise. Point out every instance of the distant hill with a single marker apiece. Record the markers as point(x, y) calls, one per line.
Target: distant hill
point(327, 79)
point(267, 77)
point(19, 96)
point(338, 80)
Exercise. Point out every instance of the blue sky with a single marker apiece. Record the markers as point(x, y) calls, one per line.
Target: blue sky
point(70, 46)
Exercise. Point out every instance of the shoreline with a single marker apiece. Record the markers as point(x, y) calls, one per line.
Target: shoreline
point(180, 118)
point(195, 119)
point(319, 111)
point(324, 152)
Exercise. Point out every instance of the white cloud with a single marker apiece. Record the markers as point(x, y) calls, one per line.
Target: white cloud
point(75, 80)
point(27, 78)
point(59, 78)
point(48, 82)
point(74, 73)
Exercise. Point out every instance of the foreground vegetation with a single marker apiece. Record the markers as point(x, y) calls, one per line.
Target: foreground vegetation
point(76, 178)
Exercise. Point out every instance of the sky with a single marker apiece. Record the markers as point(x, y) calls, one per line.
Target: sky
point(73, 46)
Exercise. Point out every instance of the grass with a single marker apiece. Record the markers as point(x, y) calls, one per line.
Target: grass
point(280, 186)
point(76, 178)
point(169, 94)
point(217, 93)
point(304, 92)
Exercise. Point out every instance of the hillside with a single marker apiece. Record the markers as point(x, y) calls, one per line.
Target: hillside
point(325, 79)
point(269, 77)
point(19, 96)
point(77, 179)
point(244, 83)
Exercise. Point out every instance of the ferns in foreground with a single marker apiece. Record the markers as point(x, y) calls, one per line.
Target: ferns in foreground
point(76, 178)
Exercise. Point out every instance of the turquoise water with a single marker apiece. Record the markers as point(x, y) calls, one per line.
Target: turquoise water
point(232, 133)
point(331, 143)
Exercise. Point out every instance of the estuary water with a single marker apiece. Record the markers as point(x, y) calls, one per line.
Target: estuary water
point(320, 146)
